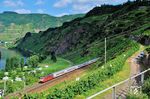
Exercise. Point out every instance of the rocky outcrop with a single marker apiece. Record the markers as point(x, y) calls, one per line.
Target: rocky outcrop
point(145, 40)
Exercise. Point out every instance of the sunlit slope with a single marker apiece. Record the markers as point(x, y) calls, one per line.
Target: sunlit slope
point(13, 25)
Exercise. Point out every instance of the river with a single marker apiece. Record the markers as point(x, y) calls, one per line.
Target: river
point(7, 53)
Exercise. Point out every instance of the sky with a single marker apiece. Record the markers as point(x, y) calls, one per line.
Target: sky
point(53, 7)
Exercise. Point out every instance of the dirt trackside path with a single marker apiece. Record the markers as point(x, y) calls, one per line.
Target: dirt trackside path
point(134, 69)
point(122, 90)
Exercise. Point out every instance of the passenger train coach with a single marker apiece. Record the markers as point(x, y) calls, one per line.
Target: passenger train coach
point(67, 70)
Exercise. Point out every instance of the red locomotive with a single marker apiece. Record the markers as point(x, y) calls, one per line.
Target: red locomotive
point(46, 78)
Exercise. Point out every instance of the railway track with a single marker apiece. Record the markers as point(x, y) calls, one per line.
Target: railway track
point(40, 87)
point(69, 76)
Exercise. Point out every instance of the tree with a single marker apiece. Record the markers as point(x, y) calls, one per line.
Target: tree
point(53, 57)
point(21, 63)
point(8, 64)
point(42, 57)
point(33, 61)
point(12, 63)
point(15, 62)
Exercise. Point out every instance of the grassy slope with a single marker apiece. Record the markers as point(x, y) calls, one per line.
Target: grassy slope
point(53, 67)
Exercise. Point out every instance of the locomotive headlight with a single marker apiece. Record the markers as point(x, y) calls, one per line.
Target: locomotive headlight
point(41, 79)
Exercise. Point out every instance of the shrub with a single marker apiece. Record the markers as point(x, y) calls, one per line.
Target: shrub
point(30, 79)
point(137, 96)
point(79, 97)
point(146, 87)
point(14, 86)
point(33, 61)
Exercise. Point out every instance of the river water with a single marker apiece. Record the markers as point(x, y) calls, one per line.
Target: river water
point(7, 53)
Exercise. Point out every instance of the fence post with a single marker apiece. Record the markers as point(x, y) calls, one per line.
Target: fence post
point(129, 84)
point(142, 78)
point(114, 93)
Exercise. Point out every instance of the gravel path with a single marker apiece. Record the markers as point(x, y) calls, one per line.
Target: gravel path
point(135, 69)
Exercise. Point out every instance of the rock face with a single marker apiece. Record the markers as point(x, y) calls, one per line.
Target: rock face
point(26, 36)
point(145, 40)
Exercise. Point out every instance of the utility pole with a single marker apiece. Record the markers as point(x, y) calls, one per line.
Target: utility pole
point(4, 88)
point(105, 51)
point(24, 80)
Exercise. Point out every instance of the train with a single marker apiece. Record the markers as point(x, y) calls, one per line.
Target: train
point(67, 70)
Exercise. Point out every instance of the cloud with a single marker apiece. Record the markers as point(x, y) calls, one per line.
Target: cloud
point(13, 3)
point(23, 11)
point(40, 2)
point(62, 3)
point(82, 8)
point(62, 14)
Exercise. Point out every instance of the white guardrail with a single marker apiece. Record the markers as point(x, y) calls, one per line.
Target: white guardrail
point(114, 86)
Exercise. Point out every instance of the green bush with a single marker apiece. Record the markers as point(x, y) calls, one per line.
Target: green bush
point(12, 63)
point(14, 86)
point(33, 61)
point(146, 87)
point(30, 79)
point(137, 96)
point(79, 97)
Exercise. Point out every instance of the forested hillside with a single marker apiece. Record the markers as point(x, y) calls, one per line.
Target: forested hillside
point(13, 25)
point(81, 34)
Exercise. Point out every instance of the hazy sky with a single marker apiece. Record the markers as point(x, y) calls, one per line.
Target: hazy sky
point(53, 7)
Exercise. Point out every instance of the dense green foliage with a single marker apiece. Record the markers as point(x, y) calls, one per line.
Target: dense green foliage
point(148, 49)
point(12, 63)
point(53, 57)
point(137, 96)
point(33, 61)
point(14, 86)
point(146, 87)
